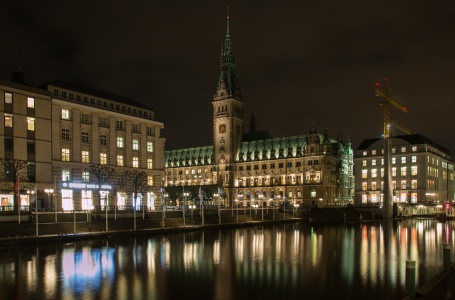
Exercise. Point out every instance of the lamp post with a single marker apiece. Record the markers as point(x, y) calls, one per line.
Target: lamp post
point(219, 215)
point(185, 199)
point(49, 192)
point(262, 206)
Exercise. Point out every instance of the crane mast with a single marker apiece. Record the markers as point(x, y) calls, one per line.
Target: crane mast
point(388, 98)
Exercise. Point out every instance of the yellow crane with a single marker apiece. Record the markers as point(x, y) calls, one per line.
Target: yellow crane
point(388, 97)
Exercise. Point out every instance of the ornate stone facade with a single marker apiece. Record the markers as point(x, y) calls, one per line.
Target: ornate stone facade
point(253, 168)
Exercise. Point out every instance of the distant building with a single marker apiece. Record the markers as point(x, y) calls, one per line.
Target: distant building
point(422, 171)
point(62, 129)
point(253, 168)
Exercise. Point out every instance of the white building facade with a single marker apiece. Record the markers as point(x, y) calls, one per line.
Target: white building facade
point(422, 171)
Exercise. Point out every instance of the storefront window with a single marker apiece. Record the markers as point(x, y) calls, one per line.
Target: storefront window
point(121, 200)
point(67, 199)
point(87, 200)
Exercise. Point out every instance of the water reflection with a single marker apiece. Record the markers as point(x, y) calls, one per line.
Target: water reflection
point(294, 261)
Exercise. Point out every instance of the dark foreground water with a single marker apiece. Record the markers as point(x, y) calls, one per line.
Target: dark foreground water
point(292, 261)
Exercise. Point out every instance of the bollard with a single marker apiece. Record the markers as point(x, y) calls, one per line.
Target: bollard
point(447, 260)
point(410, 278)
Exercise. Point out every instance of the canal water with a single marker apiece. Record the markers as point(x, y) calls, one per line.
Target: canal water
point(289, 261)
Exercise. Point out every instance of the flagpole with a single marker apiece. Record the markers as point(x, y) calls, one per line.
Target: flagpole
point(55, 199)
point(18, 198)
point(183, 208)
point(36, 208)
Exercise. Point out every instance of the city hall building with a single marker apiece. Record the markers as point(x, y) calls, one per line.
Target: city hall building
point(421, 170)
point(252, 168)
point(61, 129)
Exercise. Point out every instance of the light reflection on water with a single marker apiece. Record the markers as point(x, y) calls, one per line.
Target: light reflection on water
point(283, 261)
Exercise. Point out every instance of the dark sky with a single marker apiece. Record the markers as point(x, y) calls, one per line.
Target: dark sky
point(297, 60)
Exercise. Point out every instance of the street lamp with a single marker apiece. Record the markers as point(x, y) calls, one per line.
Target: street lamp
point(185, 199)
point(219, 215)
point(262, 205)
point(49, 192)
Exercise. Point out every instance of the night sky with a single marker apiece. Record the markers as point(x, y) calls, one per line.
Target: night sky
point(297, 60)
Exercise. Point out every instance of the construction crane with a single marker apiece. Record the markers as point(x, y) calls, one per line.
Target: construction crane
point(388, 97)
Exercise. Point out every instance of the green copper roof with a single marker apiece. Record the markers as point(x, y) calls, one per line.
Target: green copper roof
point(267, 149)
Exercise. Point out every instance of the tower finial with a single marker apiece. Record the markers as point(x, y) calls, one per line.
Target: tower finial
point(227, 21)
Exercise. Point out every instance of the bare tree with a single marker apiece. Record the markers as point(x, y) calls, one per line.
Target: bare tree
point(14, 174)
point(136, 182)
point(101, 174)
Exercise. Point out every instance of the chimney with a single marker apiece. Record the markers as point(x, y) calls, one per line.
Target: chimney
point(17, 76)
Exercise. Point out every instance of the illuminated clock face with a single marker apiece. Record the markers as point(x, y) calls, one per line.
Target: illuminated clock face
point(222, 128)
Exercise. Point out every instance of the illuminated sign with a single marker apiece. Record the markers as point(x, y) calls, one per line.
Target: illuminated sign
point(85, 186)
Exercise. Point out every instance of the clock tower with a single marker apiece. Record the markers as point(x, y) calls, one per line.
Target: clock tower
point(227, 109)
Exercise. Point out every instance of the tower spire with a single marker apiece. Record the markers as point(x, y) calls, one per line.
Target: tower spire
point(228, 84)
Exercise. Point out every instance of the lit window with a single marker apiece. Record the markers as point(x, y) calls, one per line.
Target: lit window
point(8, 120)
point(31, 124)
point(65, 114)
point(85, 157)
point(414, 148)
point(364, 173)
point(313, 193)
point(403, 171)
point(8, 98)
point(103, 158)
point(414, 184)
point(87, 202)
point(120, 142)
point(394, 185)
point(373, 162)
point(149, 163)
point(65, 134)
point(394, 160)
point(67, 199)
point(120, 160)
point(403, 184)
point(414, 170)
point(65, 154)
point(403, 149)
point(149, 180)
point(374, 173)
point(373, 152)
point(373, 185)
point(135, 144)
point(149, 146)
point(30, 102)
point(135, 162)
point(403, 160)
point(382, 172)
point(84, 137)
point(65, 175)
point(394, 172)
point(414, 159)
point(393, 150)
point(364, 186)
point(85, 176)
